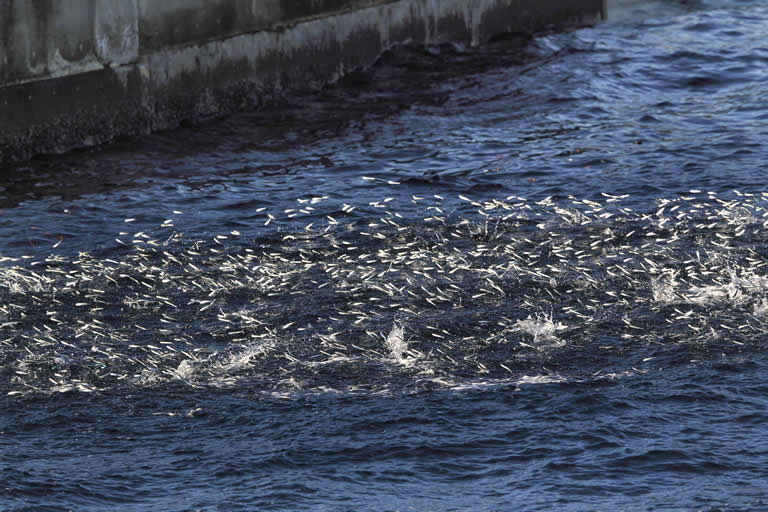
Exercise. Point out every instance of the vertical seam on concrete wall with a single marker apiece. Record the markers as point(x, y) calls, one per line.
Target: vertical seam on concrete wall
point(139, 17)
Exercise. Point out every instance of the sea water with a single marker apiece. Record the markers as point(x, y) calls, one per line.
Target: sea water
point(530, 275)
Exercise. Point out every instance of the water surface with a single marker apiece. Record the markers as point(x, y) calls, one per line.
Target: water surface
point(525, 276)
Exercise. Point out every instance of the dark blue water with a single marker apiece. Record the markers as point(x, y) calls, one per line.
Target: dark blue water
point(527, 276)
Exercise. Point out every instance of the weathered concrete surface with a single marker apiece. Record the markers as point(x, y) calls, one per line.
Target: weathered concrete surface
point(217, 19)
point(76, 73)
point(53, 38)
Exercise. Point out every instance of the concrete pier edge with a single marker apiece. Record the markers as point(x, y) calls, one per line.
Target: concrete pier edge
point(78, 76)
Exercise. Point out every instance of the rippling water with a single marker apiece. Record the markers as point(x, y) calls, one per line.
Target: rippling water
point(526, 276)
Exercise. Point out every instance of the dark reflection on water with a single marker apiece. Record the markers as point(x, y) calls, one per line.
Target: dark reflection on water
point(526, 276)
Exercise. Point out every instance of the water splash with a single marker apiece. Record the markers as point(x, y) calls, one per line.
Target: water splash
point(396, 343)
point(543, 328)
point(326, 307)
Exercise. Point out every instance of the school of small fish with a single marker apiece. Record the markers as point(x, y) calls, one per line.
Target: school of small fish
point(499, 289)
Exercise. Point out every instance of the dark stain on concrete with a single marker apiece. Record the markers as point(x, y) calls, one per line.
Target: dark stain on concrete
point(53, 116)
point(56, 115)
point(72, 35)
point(207, 20)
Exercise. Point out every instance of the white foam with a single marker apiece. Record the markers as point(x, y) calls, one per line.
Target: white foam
point(543, 328)
point(395, 342)
point(186, 369)
point(242, 359)
point(738, 290)
point(663, 291)
point(760, 308)
point(540, 379)
point(79, 387)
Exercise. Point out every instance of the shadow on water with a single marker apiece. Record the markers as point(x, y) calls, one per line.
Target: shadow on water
point(404, 76)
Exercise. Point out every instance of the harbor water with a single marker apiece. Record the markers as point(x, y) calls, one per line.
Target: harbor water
point(530, 275)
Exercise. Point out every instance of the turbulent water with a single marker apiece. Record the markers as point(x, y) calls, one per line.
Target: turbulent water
point(531, 275)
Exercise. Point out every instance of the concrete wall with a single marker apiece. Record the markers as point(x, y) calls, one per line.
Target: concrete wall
point(52, 38)
point(80, 72)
